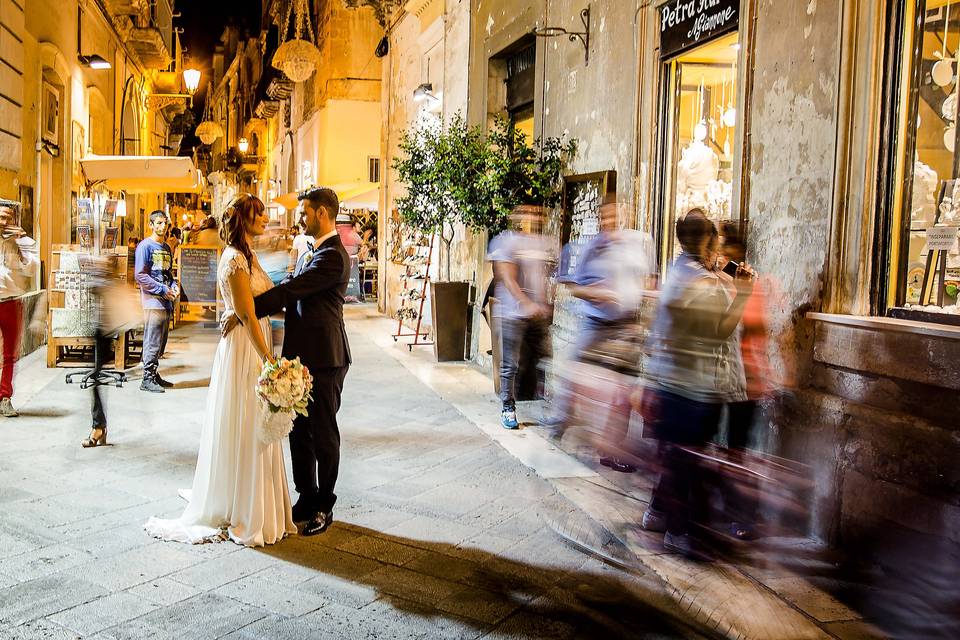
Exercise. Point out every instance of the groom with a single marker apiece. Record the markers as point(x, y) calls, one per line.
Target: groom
point(313, 299)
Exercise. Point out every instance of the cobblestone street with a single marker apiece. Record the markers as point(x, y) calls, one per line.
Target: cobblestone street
point(440, 532)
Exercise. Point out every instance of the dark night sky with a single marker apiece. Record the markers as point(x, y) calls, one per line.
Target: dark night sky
point(203, 22)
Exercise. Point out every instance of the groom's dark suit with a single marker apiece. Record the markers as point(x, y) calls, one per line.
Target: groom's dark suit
point(314, 332)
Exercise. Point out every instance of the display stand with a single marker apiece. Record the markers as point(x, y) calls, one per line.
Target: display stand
point(197, 272)
point(97, 376)
point(406, 298)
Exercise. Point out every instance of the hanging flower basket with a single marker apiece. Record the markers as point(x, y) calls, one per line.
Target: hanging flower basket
point(298, 59)
point(208, 131)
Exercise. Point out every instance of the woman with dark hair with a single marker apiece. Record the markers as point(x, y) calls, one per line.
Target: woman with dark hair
point(690, 375)
point(240, 484)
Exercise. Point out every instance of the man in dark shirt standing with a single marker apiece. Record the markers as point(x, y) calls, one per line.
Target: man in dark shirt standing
point(154, 263)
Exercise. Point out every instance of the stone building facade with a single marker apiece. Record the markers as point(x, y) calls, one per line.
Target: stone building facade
point(804, 139)
point(55, 109)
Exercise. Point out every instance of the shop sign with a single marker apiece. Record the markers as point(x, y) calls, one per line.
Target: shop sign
point(688, 23)
point(941, 238)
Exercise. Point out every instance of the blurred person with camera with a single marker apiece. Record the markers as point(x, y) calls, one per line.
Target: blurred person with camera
point(18, 265)
point(693, 371)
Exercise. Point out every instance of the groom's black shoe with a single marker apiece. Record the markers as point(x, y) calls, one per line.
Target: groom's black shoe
point(319, 524)
point(303, 511)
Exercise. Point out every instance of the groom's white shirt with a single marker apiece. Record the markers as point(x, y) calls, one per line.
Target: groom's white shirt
point(323, 238)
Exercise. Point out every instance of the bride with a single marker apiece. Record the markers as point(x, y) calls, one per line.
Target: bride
point(240, 484)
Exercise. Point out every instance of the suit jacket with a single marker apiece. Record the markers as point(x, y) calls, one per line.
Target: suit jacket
point(313, 300)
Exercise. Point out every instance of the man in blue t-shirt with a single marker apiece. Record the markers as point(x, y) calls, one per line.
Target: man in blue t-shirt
point(154, 264)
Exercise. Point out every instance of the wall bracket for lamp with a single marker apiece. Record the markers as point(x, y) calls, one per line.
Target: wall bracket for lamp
point(582, 36)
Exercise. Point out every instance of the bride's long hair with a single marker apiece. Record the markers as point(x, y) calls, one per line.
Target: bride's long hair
point(237, 217)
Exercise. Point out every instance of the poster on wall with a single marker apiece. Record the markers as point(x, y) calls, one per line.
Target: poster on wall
point(51, 113)
point(79, 144)
point(688, 23)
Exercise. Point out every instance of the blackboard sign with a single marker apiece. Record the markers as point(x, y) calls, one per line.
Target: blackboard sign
point(688, 23)
point(354, 294)
point(198, 274)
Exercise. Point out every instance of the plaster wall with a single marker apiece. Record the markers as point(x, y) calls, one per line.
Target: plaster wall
point(790, 176)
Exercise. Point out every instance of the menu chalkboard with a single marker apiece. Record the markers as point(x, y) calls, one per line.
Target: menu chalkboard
point(198, 274)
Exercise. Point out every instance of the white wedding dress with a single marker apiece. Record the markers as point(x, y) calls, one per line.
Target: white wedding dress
point(240, 484)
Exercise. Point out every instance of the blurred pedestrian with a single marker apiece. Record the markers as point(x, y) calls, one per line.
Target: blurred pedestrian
point(153, 272)
point(18, 265)
point(301, 244)
point(523, 261)
point(610, 278)
point(173, 240)
point(741, 498)
point(690, 376)
point(207, 233)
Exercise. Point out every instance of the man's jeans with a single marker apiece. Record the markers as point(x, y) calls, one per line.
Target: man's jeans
point(513, 333)
point(156, 326)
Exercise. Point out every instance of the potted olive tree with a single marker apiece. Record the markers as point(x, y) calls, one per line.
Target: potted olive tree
point(428, 169)
point(461, 175)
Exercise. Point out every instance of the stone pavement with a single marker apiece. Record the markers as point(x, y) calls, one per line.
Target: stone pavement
point(440, 532)
point(778, 587)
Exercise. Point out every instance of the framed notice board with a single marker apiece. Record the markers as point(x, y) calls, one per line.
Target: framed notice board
point(197, 269)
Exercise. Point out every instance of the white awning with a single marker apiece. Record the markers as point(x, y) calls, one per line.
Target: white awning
point(143, 174)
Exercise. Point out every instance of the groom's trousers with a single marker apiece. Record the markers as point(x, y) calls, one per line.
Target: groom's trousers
point(315, 441)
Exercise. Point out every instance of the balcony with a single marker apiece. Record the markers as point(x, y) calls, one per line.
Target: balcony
point(147, 26)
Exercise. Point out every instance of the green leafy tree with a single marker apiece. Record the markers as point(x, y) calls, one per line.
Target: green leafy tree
point(460, 174)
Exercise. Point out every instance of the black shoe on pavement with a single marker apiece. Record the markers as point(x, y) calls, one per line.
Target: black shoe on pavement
point(151, 385)
point(617, 464)
point(302, 512)
point(320, 523)
point(163, 383)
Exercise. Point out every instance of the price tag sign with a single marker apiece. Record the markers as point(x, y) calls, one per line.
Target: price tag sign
point(941, 238)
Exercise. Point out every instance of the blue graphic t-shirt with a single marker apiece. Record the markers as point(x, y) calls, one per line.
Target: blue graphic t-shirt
point(153, 270)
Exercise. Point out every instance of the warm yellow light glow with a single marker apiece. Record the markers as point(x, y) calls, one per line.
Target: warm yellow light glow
point(243, 144)
point(191, 78)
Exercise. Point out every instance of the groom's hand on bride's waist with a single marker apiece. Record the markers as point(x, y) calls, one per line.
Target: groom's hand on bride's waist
point(228, 322)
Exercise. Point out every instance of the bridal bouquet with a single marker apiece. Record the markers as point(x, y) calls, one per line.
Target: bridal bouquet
point(284, 390)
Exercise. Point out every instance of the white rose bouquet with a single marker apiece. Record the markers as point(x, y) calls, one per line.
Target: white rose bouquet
point(284, 389)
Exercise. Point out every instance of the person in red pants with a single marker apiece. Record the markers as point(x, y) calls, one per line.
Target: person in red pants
point(18, 261)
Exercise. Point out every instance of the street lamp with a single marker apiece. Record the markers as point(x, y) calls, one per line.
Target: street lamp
point(243, 144)
point(191, 78)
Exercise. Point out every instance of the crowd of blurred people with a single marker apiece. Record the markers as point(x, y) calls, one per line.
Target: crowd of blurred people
point(689, 359)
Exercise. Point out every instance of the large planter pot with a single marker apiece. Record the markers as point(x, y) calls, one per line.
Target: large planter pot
point(449, 308)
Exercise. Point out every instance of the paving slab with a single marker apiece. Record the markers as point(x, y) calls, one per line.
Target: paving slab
point(438, 526)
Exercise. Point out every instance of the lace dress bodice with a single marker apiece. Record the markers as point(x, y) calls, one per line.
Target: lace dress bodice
point(231, 260)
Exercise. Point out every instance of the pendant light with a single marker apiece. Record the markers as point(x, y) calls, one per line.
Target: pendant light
point(942, 72)
point(298, 58)
point(208, 131)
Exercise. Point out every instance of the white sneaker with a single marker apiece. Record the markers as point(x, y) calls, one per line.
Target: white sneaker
point(6, 408)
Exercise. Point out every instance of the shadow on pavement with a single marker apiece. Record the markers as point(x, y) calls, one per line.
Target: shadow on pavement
point(600, 603)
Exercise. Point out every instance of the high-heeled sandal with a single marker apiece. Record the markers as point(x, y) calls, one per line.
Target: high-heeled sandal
point(95, 442)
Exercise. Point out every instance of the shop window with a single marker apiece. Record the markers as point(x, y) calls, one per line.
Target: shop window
point(919, 224)
point(702, 117)
point(699, 115)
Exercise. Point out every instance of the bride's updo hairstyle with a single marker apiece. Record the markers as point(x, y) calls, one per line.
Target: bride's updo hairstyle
point(237, 218)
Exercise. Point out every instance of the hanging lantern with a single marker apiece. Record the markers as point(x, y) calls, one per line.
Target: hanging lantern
point(298, 58)
point(208, 131)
